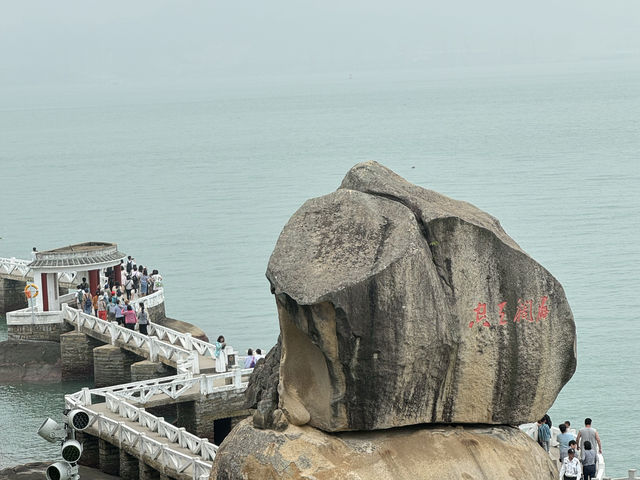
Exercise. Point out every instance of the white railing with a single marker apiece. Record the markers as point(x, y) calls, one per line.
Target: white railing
point(19, 268)
point(68, 298)
point(200, 468)
point(632, 476)
point(25, 317)
point(152, 300)
point(240, 381)
point(186, 341)
point(173, 386)
point(187, 361)
point(14, 266)
point(67, 277)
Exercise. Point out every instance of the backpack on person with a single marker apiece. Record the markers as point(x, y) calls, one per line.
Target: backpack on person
point(253, 362)
point(80, 298)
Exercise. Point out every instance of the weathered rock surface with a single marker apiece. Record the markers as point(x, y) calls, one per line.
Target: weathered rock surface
point(262, 391)
point(400, 306)
point(183, 327)
point(30, 362)
point(438, 453)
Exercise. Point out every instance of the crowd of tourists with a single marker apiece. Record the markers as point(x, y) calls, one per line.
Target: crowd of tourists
point(578, 456)
point(115, 300)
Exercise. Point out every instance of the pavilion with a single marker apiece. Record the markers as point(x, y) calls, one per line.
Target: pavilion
point(86, 259)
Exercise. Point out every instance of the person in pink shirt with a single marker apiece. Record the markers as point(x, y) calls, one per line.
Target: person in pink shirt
point(130, 318)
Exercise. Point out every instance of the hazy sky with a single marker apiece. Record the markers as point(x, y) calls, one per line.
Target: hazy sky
point(94, 42)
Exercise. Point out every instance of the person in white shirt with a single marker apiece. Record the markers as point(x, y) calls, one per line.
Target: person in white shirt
point(571, 467)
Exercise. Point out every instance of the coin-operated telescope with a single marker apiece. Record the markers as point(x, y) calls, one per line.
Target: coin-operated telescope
point(70, 448)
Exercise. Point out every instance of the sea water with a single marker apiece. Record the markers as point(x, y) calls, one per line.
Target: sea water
point(199, 183)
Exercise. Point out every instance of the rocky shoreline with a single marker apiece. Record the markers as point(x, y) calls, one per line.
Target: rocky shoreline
point(30, 362)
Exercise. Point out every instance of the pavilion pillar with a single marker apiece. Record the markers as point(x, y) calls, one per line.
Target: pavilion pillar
point(117, 273)
point(94, 281)
point(45, 292)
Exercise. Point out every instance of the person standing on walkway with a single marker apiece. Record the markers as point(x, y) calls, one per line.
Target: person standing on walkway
point(250, 361)
point(87, 302)
point(144, 283)
point(157, 281)
point(130, 318)
point(221, 356)
point(102, 307)
point(119, 313)
point(143, 319)
point(94, 300)
point(135, 277)
point(111, 309)
point(589, 459)
point(129, 265)
point(588, 434)
point(128, 287)
point(544, 434)
point(563, 438)
point(571, 467)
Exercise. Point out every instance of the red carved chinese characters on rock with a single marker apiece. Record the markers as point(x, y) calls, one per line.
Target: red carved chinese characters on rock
point(524, 311)
point(481, 315)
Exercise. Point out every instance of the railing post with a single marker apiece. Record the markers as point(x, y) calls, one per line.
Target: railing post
point(632, 474)
point(195, 361)
point(238, 376)
point(187, 341)
point(203, 447)
point(181, 440)
point(112, 333)
point(153, 350)
point(86, 396)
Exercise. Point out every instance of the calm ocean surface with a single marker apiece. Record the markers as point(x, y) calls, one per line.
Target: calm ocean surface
point(199, 183)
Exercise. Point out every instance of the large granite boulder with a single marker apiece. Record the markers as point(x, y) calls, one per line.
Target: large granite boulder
point(400, 306)
point(436, 453)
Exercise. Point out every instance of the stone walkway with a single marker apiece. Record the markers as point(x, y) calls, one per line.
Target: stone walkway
point(101, 408)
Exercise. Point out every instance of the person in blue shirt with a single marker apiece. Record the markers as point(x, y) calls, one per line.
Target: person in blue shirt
point(544, 434)
point(564, 438)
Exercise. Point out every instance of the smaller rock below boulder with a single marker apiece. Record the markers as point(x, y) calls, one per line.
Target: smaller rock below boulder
point(420, 452)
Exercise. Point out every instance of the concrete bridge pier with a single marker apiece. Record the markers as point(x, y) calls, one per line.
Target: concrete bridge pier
point(146, 472)
point(129, 466)
point(109, 457)
point(90, 450)
point(12, 295)
point(197, 418)
point(76, 355)
point(112, 365)
point(147, 370)
point(213, 416)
